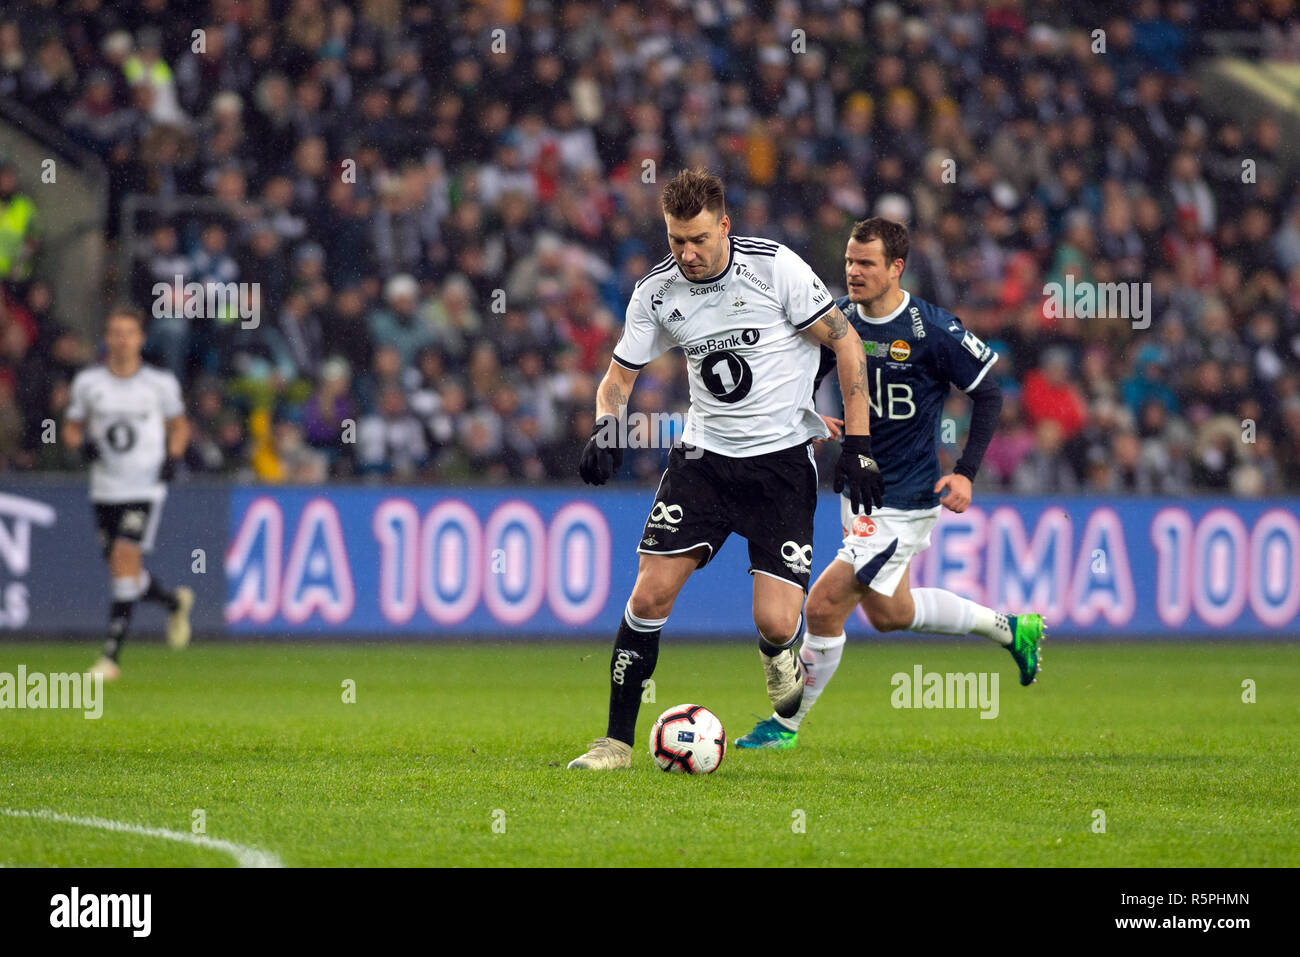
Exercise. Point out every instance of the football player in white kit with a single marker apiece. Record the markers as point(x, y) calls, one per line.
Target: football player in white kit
point(128, 421)
point(750, 315)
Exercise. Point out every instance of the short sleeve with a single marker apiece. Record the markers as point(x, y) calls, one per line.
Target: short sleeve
point(805, 297)
point(170, 390)
point(643, 339)
point(77, 404)
point(964, 357)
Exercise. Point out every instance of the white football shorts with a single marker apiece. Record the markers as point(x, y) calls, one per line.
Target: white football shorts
point(880, 546)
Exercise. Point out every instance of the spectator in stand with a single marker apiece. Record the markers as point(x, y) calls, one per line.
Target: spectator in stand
point(390, 441)
point(1045, 470)
point(18, 226)
point(400, 324)
point(454, 321)
point(329, 410)
point(1049, 395)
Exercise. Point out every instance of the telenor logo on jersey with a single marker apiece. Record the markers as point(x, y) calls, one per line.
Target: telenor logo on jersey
point(899, 350)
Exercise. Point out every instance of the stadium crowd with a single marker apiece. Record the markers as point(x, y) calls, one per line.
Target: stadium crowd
point(445, 207)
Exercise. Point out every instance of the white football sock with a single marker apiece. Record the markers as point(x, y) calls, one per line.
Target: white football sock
point(941, 612)
point(820, 657)
point(126, 589)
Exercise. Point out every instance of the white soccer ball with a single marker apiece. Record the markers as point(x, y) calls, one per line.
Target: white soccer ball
point(688, 739)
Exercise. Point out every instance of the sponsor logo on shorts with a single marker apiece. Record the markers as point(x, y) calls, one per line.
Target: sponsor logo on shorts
point(133, 521)
point(798, 558)
point(662, 512)
point(864, 526)
point(899, 350)
point(665, 516)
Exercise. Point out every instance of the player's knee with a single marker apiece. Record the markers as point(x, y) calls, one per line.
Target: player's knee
point(651, 600)
point(888, 618)
point(822, 616)
point(776, 625)
point(123, 558)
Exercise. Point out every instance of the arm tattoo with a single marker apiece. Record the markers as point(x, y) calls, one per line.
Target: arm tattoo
point(615, 398)
point(837, 325)
point(860, 383)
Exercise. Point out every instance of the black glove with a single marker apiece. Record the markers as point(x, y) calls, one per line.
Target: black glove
point(859, 471)
point(602, 456)
point(168, 470)
point(89, 450)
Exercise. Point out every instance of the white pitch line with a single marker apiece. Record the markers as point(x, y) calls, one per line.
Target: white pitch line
point(244, 856)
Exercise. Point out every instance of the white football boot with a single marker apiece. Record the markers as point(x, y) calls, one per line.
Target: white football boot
point(785, 677)
point(178, 622)
point(107, 667)
point(606, 754)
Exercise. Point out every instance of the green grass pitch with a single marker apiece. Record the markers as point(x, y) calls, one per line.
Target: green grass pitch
point(455, 754)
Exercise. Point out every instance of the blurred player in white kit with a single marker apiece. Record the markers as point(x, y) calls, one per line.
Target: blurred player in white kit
point(128, 421)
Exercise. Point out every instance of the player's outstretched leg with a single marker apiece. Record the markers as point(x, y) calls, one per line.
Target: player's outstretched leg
point(178, 604)
point(636, 650)
point(942, 612)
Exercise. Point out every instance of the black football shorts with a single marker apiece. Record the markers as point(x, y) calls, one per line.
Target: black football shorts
point(134, 521)
point(767, 499)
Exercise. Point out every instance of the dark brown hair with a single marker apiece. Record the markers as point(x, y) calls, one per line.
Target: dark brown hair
point(892, 236)
point(692, 191)
point(131, 312)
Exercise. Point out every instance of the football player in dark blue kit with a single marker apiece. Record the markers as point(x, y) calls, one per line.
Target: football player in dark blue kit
point(915, 352)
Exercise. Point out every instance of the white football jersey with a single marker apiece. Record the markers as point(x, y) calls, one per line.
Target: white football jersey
point(125, 417)
point(751, 372)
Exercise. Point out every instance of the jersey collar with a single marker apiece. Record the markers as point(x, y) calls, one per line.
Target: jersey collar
point(731, 256)
point(881, 320)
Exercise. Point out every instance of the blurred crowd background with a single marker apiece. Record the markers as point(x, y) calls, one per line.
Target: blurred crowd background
point(446, 206)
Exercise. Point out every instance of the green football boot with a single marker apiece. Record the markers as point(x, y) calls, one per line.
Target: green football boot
point(1029, 632)
point(768, 733)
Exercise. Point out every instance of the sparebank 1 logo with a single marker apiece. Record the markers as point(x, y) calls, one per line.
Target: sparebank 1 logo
point(17, 516)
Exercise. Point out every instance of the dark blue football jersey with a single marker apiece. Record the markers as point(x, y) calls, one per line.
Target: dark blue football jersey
point(913, 356)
